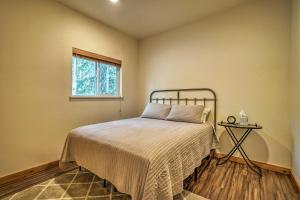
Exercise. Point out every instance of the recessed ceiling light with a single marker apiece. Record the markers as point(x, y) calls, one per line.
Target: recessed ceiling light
point(114, 1)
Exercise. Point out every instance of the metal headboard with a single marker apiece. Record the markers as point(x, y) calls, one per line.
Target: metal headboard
point(179, 99)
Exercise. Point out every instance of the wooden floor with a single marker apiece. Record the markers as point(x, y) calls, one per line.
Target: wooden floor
point(233, 181)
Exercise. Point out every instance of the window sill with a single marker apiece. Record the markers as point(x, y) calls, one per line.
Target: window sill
point(97, 97)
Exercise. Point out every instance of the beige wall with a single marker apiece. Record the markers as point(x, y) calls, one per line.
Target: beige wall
point(36, 114)
point(295, 87)
point(241, 53)
point(245, 48)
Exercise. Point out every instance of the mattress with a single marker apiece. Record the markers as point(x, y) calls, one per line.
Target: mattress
point(146, 158)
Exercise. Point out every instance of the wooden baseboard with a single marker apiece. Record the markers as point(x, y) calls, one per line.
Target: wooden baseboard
point(295, 180)
point(21, 175)
point(29, 172)
point(262, 165)
point(34, 170)
point(16, 182)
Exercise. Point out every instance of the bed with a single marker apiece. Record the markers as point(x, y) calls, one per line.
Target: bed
point(145, 158)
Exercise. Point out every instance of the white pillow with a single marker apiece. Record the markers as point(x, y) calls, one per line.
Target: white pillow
point(205, 114)
point(189, 113)
point(156, 111)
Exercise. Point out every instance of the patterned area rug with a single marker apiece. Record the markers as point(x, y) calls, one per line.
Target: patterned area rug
point(80, 185)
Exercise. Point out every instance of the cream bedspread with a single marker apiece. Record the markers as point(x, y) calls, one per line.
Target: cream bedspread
point(146, 158)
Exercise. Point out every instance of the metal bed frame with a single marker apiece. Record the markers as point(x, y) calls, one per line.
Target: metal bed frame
point(180, 99)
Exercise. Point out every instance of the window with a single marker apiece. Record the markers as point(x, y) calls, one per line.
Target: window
point(94, 75)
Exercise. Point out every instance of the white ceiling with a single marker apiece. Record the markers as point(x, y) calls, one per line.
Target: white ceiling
point(142, 18)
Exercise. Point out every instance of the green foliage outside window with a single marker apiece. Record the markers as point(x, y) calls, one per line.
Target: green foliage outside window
point(107, 79)
point(93, 78)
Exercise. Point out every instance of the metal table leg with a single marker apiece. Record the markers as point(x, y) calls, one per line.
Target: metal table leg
point(234, 149)
point(238, 147)
point(249, 163)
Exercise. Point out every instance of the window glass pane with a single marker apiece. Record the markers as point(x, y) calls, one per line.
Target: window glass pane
point(108, 79)
point(83, 76)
